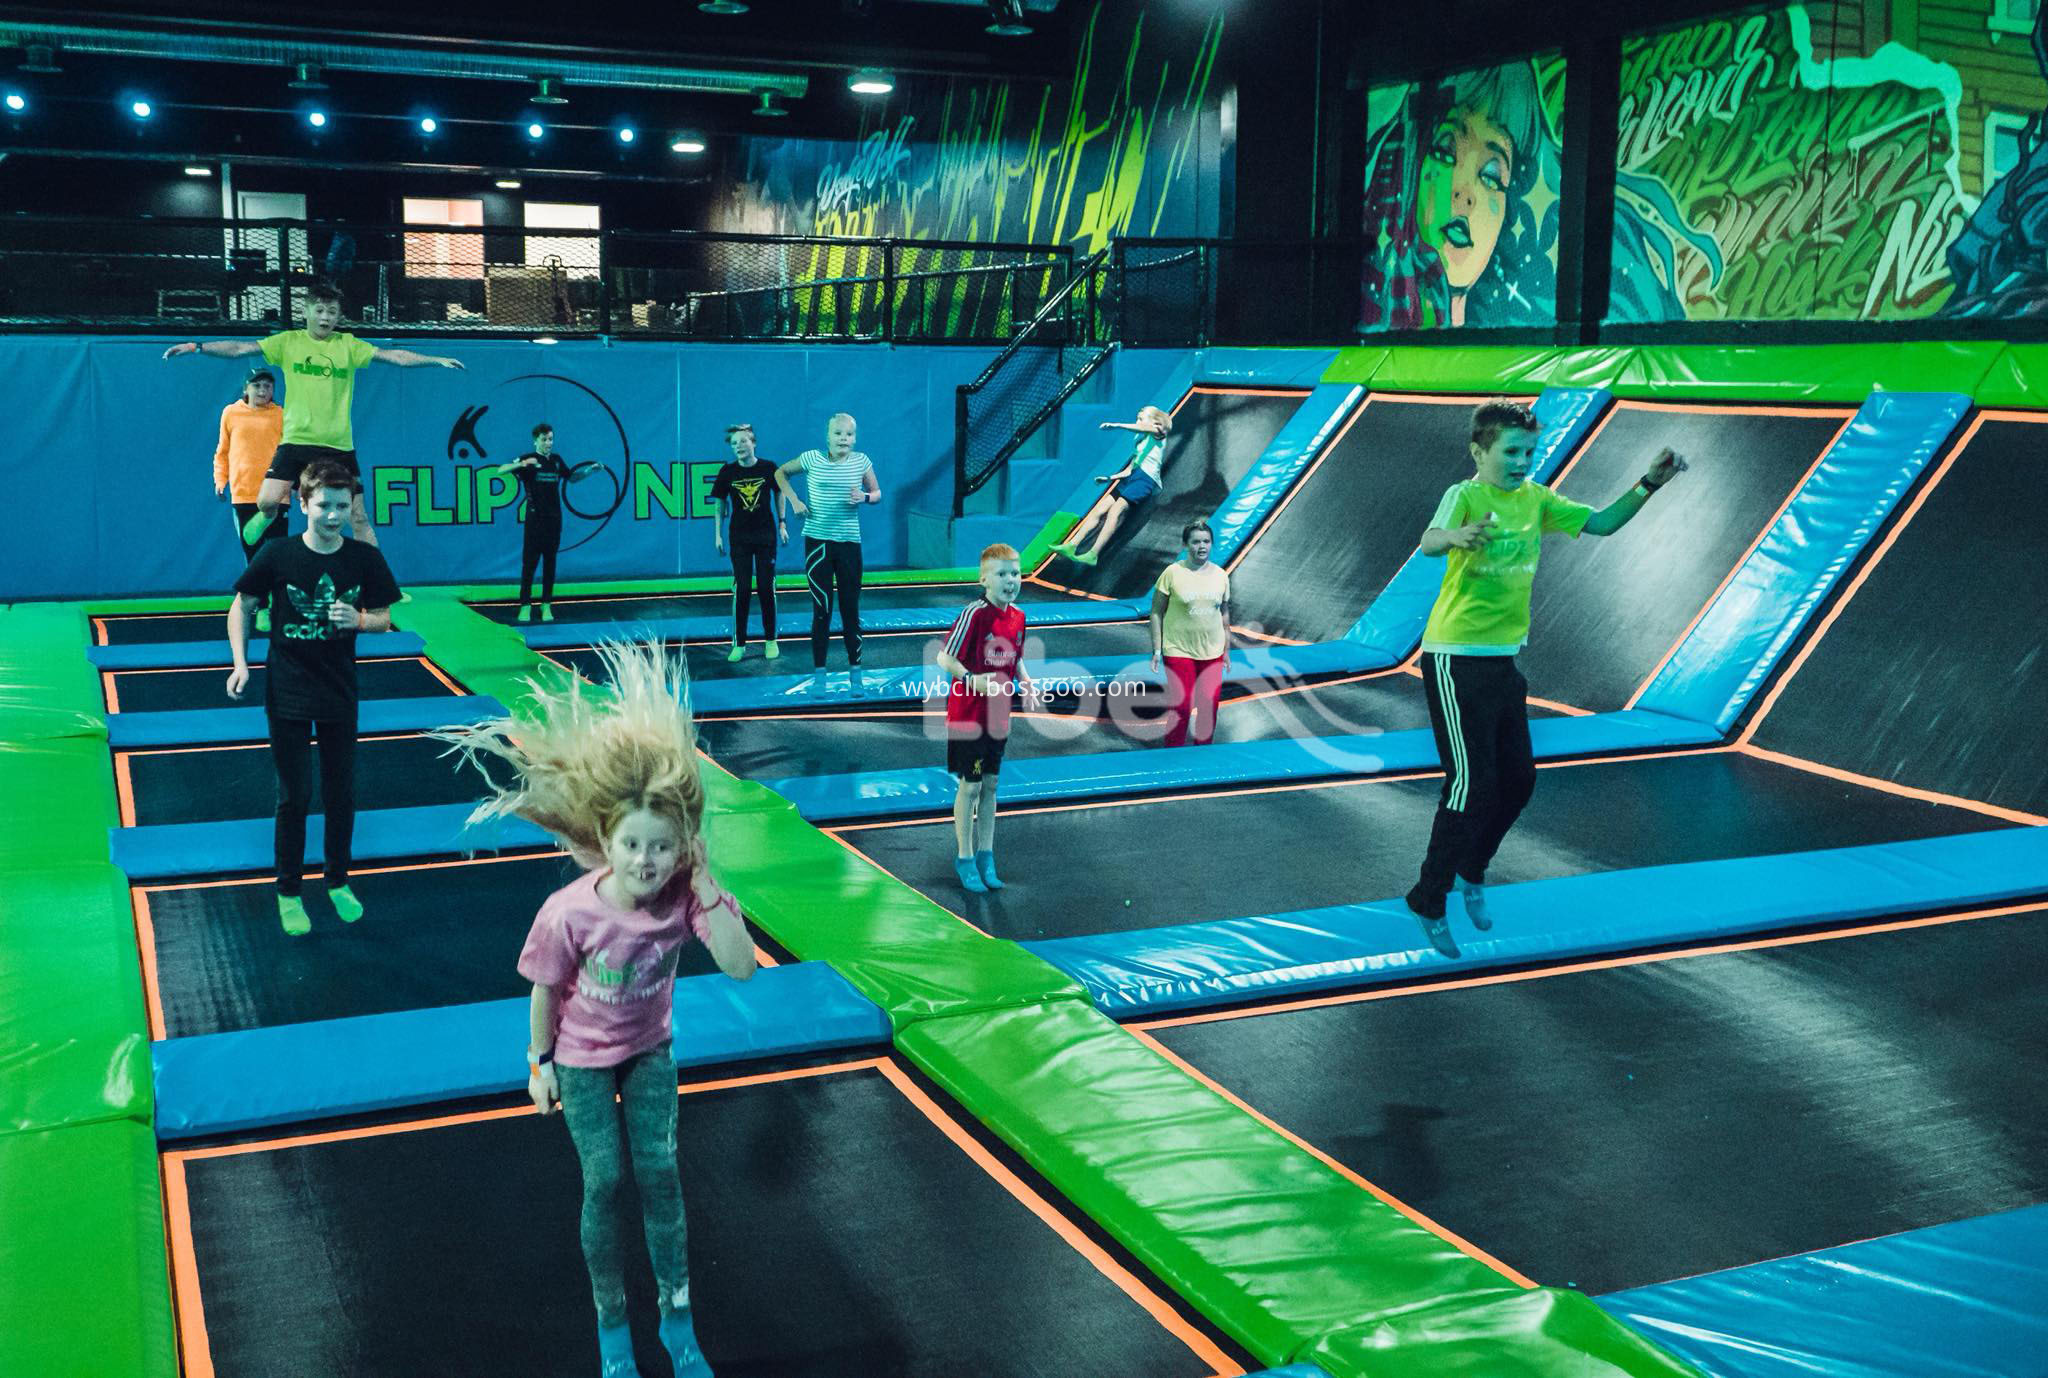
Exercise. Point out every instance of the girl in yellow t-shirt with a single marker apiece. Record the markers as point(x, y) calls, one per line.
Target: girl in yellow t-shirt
point(1191, 636)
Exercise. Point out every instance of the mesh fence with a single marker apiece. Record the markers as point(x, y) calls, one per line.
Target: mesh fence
point(1195, 292)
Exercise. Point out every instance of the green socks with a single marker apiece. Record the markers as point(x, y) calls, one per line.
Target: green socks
point(292, 914)
point(771, 651)
point(253, 529)
point(345, 903)
point(525, 612)
point(735, 653)
point(1088, 559)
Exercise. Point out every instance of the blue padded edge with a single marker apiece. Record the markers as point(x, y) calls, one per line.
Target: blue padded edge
point(1291, 1371)
point(176, 655)
point(1036, 779)
point(1273, 368)
point(1305, 436)
point(1967, 1300)
point(220, 1083)
point(1393, 624)
point(206, 726)
point(1191, 966)
point(1749, 626)
point(912, 683)
point(175, 851)
point(555, 636)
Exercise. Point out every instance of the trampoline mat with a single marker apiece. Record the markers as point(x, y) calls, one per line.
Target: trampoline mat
point(154, 691)
point(1113, 867)
point(1631, 1124)
point(839, 1222)
point(214, 784)
point(135, 629)
point(792, 606)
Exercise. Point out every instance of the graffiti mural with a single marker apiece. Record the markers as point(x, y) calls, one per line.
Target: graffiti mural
point(1832, 162)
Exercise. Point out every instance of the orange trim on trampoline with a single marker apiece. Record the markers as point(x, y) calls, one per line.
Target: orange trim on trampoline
point(145, 944)
point(437, 673)
point(446, 864)
point(1228, 390)
point(99, 630)
point(1736, 568)
point(108, 692)
point(1631, 959)
point(195, 1349)
point(1733, 409)
point(1269, 637)
point(1925, 796)
point(1877, 554)
point(1125, 1281)
point(1413, 667)
point(1384, 1197)
point(124, 790)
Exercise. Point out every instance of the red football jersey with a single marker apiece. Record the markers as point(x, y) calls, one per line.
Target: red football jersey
point(986, 640)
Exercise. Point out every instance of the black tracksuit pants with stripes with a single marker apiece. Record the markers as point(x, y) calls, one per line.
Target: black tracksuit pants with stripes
point(1479, 711)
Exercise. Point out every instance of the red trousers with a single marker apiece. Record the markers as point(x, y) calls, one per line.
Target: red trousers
point(1192, 686)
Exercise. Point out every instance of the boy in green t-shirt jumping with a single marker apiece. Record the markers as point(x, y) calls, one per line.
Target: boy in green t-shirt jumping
point(319, 365)
point(1491, 529)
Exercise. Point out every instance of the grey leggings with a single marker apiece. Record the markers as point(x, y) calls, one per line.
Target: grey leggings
point(646, 1090)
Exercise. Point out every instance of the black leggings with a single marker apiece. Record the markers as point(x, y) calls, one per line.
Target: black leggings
point(543, 539)
point(1479, 711)
point(291, 751)
point(827, 563)
point(273, 532)
point(753, 571)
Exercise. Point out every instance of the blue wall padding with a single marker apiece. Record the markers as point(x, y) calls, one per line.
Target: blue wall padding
point(938, 618)
point(1753, 621)
point(915, 683)
point(292, 1073)
point(1393, 624)
point(174, 851)
point(1263, 368)
point(176, 655)
point(1967, 1300)
point(1165, 770)
point(1299, 443)
point(1189, 966)
point(206, 726)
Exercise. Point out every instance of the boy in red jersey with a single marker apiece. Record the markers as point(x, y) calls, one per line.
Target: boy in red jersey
point(982, 655)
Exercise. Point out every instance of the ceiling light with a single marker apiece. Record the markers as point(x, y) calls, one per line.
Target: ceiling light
point(317, 118)
point(548, 91)
point(686, 141)
point(196, 170)
point(16, 102)
point(722, 6)
point(508, 184)
point(545, 339)
point(627, 135)
point(140, 109)
point(770, 107)
point(534, 130)
point(306, 77)
point(42, 58)
point(1006, 19)
point(428, 124)
point(871, 81)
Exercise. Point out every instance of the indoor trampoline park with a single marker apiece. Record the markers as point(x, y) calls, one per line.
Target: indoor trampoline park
point(1024, 689)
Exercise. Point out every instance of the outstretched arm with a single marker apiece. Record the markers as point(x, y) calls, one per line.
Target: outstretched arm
point(406, 358)
point(1615, 515)
point(216, 349)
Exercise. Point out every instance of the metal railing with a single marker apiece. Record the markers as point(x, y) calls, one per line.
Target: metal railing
point(1196, 292)
point(94, 273)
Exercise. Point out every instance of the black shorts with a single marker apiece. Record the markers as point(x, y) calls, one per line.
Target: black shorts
point(291, 460)
point(974, 758)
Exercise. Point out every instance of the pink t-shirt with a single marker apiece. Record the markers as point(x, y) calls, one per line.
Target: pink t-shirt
point(614, 969)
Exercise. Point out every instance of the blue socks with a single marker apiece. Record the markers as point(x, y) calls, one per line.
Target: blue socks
point(679, 1337)
point(860, 686)
point(970, 875)
point(615, 1352)
point(985, 863)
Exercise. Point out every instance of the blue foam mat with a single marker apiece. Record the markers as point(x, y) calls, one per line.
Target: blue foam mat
point(1754, 620)
point(1393, 624)
point(207, 726)
point(1967, 1300)
point(1191, 966)
point(1164, 770)
point(1271, 368)
point(176, 851)
point(553, 636)
point(1299, 443)
point(180, 655)
point(1291, 1371)
point(221, 1083)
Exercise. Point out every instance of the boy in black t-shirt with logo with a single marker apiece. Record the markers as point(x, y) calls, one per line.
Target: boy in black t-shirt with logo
point(542, 474)
point(320, 591)
point(746, 495)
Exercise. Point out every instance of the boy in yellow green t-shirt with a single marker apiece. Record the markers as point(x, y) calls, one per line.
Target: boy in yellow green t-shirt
point(1490, 531)
point(320, 364)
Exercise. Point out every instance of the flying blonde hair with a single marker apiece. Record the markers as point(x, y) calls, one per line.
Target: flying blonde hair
point(585, 757)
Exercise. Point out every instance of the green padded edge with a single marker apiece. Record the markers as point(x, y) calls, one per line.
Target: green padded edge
point(1546, 1333)
point(189, 602)
point(2018, 378)
point(47, 686)
point(73, 1041)
point(84, 1281)
point(1270, 1243)
point(56, 801)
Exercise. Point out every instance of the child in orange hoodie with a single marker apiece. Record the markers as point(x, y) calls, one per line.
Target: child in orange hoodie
point(249, 432)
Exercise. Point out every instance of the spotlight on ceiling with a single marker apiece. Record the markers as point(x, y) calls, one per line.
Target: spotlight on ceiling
point(428, 124)
point(16, 102)
point(1006, 19)
point(507, 184)
point(535, 130)
point(627, 134)
point(871, 81)
point(306, 77)
point(548, 91)
point(141, 109)
point(770, 107)
point(722, 6)
point(41, 59)
point(317, 118)
point(686, 141)
point(197, 170)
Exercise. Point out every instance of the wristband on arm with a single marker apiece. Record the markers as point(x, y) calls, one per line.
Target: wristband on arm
point(536, 1061)
point(1647, 486)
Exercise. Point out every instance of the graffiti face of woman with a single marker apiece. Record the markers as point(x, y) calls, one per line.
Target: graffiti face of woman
point(1464, 195)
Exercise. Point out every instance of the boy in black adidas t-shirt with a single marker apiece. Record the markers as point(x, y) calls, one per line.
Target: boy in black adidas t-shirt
point(320, 591)
point(541, 473)
point(746, 495)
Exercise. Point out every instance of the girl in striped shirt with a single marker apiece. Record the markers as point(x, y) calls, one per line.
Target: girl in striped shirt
point(839, 480)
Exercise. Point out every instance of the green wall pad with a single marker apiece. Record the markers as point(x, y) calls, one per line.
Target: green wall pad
point(1267, 1241)
point(1546, 1333)
point(47, 687)
point(74, 1042)
point(56, 802)
point(84, 1291)
point(2019, 378)
point(190, 602)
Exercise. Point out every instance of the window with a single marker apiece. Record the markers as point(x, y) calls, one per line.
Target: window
point(575, 254)
point(439, 254)
point(2013, 16)
point(2001, 145)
